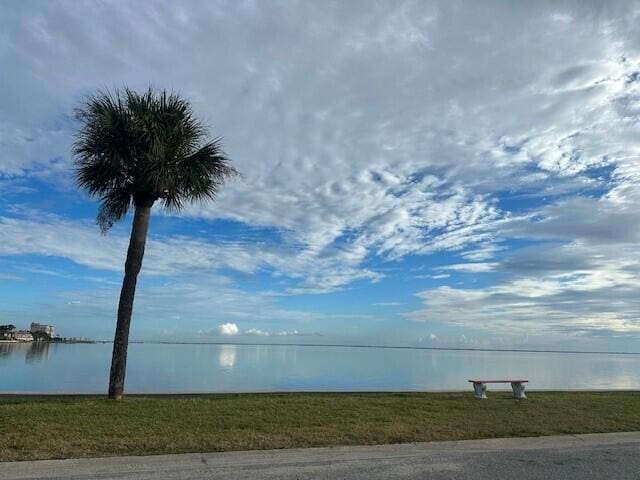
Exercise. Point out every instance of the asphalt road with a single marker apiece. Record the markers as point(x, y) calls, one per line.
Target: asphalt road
point(603, 456)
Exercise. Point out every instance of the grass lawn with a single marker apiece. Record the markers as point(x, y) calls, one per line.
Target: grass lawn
point(39, 427)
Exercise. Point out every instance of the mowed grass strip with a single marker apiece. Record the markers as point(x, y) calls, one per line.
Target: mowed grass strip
point(44, 427)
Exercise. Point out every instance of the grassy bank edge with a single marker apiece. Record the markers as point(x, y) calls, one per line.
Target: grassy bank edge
point(64, 426)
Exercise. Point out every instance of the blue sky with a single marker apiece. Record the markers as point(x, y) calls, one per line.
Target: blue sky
point(459, 174)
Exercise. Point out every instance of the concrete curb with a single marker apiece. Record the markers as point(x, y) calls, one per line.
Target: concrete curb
point(228, 464)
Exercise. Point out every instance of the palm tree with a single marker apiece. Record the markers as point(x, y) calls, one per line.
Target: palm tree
point(131, 151)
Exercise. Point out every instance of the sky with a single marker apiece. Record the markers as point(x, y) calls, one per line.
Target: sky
point(437, 174)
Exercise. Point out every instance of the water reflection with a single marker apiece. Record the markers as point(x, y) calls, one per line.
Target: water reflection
point(33, 351)
point(6, 349)
point(37, 352)
point(227, 356)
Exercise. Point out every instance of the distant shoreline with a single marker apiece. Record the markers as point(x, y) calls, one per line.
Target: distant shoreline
point(50, 341)
point(397, 347)
point(337, 345)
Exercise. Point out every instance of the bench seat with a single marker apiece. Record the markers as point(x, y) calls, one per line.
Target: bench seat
point(480, 388)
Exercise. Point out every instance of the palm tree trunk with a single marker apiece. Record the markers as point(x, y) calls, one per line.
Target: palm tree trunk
point(125, 307)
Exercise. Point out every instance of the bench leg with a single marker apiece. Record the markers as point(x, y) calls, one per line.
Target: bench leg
point(480, 391)
point(518, 390)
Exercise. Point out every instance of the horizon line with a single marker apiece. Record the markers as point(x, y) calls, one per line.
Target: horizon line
point(398, 347)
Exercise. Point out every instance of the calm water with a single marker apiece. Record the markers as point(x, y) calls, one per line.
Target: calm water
point(155, 368)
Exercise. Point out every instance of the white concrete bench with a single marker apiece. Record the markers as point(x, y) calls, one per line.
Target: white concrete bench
point(480, 388)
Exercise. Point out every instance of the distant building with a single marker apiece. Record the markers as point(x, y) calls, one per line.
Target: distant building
point(23, 336)
point(41, 328)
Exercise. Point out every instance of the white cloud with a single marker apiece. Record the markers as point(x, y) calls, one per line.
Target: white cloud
point(561, 17)
point(80, 241)
point(255, 332)
point(292, 333)
point(431, 339)
point(556, 289)
point(7, 277)
point(475, 267)
point(228, 329)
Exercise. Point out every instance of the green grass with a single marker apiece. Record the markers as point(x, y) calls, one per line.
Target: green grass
point(39, 427)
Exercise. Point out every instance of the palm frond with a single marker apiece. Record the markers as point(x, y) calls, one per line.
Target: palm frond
point(114, 206)
point(134, 148)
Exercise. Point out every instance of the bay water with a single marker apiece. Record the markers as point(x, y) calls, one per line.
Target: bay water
point(198, 368)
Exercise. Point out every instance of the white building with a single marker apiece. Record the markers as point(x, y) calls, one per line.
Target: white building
point(39, 327)
point(23, 336)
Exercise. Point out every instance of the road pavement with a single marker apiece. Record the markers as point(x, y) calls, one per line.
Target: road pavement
point(599, 456)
